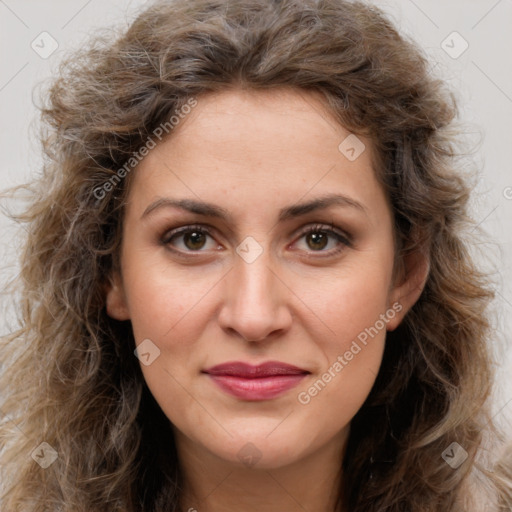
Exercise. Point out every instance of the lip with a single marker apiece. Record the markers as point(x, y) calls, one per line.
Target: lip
point(255, 383)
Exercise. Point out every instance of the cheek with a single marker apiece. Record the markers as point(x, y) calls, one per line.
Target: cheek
point(356, 312)
point(161, 302)
point(352, 355)
point(172, 312)
point(349, 302)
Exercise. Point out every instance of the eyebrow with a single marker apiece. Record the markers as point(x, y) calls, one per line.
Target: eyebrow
point(289, 212)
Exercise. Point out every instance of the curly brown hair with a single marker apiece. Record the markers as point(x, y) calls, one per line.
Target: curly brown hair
point(69, 374)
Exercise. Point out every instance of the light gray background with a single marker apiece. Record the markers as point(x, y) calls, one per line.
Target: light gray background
point(481, 76)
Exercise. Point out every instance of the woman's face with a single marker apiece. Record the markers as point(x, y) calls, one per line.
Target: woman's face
point(231, 277)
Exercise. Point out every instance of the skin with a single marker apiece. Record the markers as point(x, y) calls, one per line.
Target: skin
point(254, 153)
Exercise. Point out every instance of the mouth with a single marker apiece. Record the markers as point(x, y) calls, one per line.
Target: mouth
point(256, 383)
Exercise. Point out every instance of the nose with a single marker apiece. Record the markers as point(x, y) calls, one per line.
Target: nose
point(256, 300)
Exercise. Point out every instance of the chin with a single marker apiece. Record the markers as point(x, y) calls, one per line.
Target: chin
point(259, 453)
point(259, 448)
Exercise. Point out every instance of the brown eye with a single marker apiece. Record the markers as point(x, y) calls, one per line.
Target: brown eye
point(318, 240)
point(193, 239)
point(319, 237)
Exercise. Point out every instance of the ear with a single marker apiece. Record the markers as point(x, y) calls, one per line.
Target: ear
point(116, 305)
point(408, 286)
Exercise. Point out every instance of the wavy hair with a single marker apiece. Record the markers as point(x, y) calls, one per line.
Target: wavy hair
point(70, 377)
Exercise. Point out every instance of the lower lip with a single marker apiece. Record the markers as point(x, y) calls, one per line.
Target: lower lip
point(263, 388)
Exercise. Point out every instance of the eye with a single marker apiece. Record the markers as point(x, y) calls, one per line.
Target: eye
point(319, 236)
point(193, 239)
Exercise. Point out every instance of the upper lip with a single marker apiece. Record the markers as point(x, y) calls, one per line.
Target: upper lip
point(248, 371)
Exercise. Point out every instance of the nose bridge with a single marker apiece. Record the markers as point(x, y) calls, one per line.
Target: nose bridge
point(255, 279)
point(255, 302)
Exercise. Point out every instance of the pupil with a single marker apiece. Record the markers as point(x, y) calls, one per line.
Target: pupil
point(315, 238)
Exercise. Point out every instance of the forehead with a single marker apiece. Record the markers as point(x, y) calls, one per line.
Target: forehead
point(279, 119)
point(283, 143)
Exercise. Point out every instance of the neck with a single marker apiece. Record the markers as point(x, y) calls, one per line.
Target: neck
point(212, 484)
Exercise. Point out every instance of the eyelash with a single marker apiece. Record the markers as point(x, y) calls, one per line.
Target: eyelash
point(344, 239)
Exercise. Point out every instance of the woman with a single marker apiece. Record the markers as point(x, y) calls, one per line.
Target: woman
point(246, 284)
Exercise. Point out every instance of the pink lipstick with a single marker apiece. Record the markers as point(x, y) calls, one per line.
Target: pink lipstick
point(254, 383)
